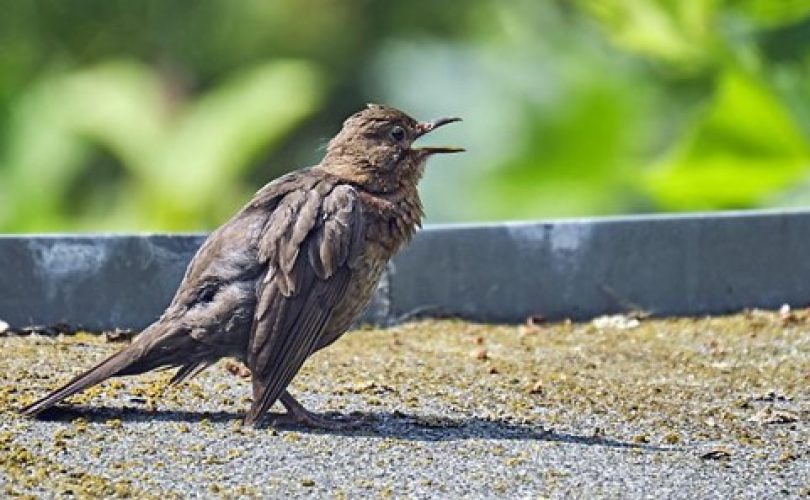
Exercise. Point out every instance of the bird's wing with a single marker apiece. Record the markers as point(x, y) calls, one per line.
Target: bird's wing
point(216, 260)
point(310, 244)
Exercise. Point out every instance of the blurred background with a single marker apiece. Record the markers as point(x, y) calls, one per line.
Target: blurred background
point(167, 115)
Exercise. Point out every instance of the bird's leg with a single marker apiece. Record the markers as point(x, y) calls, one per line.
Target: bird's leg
point(298, 415)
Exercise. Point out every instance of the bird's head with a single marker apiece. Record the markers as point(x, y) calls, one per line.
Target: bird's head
point(375, 149)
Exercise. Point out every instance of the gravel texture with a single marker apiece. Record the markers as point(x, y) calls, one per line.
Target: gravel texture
point(682, 408)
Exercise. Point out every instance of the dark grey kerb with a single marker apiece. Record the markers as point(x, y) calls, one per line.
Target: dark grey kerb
point(675, 264)
point(94, 281)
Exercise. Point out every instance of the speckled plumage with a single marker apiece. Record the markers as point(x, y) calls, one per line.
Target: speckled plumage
point(289, 273)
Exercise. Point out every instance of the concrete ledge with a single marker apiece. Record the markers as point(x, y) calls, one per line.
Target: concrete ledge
point(674, 264)
point(94, 282)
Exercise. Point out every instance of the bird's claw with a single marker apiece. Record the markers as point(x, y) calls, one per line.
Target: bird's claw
point(309, 419)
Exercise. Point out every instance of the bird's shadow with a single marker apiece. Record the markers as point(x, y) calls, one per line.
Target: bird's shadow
point(394, 425)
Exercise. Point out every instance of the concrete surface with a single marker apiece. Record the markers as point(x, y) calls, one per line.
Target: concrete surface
point(690, 264)
point(619, 407)
point(96, 282)
point(672, 264)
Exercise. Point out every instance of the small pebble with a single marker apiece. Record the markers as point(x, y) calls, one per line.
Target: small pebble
point(480, 354)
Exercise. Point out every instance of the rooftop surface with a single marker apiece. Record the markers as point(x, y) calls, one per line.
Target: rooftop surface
point(616, 406)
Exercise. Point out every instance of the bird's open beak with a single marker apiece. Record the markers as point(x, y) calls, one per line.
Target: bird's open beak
point(425, 127)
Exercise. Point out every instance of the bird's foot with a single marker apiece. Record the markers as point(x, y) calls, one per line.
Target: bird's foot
point(309, 419)
point(298, 415)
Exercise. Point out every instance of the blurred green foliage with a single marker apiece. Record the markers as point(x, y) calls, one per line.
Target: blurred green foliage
point(153, 115)
point(177, 157)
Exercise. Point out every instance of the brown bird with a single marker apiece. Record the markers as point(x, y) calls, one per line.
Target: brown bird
point(289, 273)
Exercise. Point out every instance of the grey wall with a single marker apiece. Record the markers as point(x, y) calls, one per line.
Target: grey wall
point(684, 264)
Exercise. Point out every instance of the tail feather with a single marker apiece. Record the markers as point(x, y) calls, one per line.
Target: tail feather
point(189, 371)
point(110, 367)
point(155, 347)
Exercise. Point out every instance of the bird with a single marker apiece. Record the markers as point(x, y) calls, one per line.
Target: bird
point(291, 271)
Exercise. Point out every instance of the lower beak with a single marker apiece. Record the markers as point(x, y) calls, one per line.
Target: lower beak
point(439, 149)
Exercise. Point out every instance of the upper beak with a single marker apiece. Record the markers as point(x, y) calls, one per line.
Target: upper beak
point(425, 127)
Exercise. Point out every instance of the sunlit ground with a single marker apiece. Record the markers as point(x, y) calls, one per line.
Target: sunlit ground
point(697, 406)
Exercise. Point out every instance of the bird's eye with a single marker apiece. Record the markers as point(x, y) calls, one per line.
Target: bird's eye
point(398, 133)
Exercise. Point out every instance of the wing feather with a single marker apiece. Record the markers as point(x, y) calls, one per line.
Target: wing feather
point(312, 240)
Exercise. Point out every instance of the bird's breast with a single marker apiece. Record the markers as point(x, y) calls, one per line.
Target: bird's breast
point(365, 278)
point(390, 222)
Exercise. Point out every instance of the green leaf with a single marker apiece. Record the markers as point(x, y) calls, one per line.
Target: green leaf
point(678, 33)
point(182, 160)
point(745, 147)
point(773, 13)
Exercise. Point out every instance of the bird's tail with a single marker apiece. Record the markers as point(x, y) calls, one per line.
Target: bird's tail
point(139, 357)
point(102, 371)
